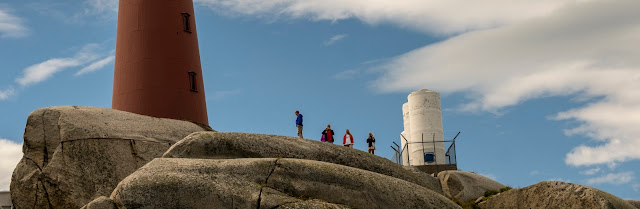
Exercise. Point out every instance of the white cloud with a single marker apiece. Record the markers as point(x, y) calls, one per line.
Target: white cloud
point(613, 178)
point(334, 39)
point(6, 93)
point(534, 172)
point(102, 6)
point(107, 9)
point(612, 165)
point(613, 121)
point(436, 16)
point(220, 95)
point(636, 187)
point(590, 171)
point(583, 51)
point(97, 65)
point(11, 26)
point(77, 12)
point(44, 70)
point(10, 155)
point(347, 74)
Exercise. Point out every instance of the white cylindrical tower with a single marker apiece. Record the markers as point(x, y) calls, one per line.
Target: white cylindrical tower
point(425, 124)
point(406, 133)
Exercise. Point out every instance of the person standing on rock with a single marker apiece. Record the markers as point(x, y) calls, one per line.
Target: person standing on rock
point(328, 134)
point(347, 140)
point(299, 123)
point(372, 143)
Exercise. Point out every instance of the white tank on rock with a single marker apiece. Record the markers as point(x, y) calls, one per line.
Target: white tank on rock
point(423, 123)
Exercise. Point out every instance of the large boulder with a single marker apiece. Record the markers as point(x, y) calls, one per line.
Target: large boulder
point(73, 154)
point(553, 194)
point(434, 183)
point(466, 186)
point(217, 145)
point(312, 204)
point(101, 203)
point(267, 183)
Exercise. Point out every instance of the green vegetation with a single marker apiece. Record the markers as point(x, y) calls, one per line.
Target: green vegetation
point(487, 194)
point(505, 189)
point(490, 193)
point(467, 205)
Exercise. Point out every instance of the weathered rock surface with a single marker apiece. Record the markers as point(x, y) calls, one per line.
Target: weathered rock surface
point(434, 183)
point(216, 145)
point(466, 186)
point(634, 203)
point(73, 155)
point(553, 194)
point(101, 203)
point(267, 183)
point(312, 204)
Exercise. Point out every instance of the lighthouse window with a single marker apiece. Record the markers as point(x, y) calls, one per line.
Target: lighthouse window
point(192, 81)
point(185, 20)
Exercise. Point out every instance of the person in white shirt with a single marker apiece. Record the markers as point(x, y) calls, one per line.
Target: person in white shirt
point(347, 140)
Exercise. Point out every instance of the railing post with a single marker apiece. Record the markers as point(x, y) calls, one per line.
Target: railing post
point(435, 157)
point(406, 144)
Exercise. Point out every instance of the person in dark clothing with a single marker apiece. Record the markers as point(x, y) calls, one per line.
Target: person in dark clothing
point(372, 143)
point(328, 134)
point(299, 123)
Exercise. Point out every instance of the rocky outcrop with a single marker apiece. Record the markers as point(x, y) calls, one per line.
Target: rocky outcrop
point(216, 145)
point(434, 183)
point(466, 186)
point(312, 204)
point(553, 194)
point(101, 203)
point(73, 155)
point(108, 159)
point(267, 183)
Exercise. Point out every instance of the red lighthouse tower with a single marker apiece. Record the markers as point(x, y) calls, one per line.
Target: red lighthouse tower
point(157, 67)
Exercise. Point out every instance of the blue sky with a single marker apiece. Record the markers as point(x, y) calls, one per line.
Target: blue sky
point(541, 90)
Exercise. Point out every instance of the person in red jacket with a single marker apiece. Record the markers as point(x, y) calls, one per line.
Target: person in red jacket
point(347, 140)
point(328, 134)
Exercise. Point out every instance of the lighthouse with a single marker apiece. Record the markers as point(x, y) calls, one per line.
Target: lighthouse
point(157, 67)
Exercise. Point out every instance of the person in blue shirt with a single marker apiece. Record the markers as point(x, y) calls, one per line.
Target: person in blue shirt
point(299, 123)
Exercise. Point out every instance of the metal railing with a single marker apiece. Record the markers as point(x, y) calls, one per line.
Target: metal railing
point(450, 155)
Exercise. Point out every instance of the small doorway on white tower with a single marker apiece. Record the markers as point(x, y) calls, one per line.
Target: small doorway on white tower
point(429, 157)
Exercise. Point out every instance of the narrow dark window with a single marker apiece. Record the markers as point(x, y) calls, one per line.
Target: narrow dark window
point(192, 81)
point(185, 20)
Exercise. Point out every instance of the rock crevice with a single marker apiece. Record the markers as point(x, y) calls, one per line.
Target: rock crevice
point(266, 181)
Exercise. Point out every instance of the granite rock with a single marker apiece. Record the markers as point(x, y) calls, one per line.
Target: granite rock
point(73, 154)
point(218, 145)
point(267, 183)
point(466, 186)
point(635, 203)
point(553, 194)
